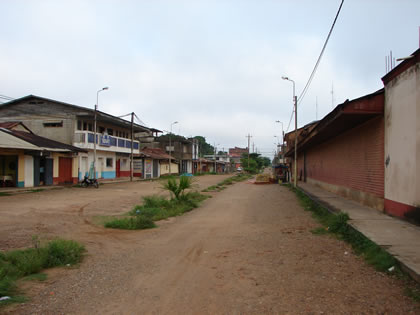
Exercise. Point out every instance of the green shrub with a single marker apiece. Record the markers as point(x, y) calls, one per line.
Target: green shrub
point(156, 208)
point(28, 261)
point(178, 187)
point(19, 263)
point(133, 223)
point(63, 252)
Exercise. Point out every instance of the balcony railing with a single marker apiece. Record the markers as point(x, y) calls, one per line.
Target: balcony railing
point(85, 139)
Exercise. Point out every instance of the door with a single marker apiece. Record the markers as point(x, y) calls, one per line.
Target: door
point(65, 170)
point(118, 168)
point(48, 175)
point(155, 168)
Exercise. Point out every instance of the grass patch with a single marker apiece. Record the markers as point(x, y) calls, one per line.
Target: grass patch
point(227, 182)
point(36, 190)
point(337, 224)
point(36, 276)
point(27, 263)
point(132, 223)
point(155, 208)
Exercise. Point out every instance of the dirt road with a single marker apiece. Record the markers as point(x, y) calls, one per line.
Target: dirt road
point(247, 250)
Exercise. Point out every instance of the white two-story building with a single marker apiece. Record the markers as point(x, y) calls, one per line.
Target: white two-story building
point(73, 125)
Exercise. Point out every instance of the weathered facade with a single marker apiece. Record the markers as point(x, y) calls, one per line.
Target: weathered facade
point(74, 125)
point(28, 160)
point(402, 138)
point(343, 152)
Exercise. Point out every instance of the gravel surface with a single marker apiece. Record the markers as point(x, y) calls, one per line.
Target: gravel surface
point(247, 250)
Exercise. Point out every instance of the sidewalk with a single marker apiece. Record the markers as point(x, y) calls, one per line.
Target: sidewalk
point(401, 239)
point(18, 190)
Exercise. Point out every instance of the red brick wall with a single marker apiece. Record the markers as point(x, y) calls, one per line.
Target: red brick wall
point(354, 159)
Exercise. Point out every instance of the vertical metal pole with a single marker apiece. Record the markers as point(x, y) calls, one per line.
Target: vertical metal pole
point(296, 137)
point(170, 149)
point(132, 146)
point(94, 139)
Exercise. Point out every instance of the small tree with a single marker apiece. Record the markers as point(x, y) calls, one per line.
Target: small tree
point(177, 187)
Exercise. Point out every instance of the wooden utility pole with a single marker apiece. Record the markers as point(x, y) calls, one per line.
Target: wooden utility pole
point(132, 146)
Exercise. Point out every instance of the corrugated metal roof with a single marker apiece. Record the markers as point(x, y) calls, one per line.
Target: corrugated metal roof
point(41, 142)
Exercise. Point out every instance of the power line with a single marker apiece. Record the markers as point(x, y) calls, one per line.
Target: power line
point(302, 95)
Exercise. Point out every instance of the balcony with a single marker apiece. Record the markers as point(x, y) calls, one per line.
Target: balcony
point(84, 140)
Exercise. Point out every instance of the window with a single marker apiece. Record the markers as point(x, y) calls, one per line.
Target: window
point(84, 125)
point(110, 132)
point(109, 162)
point(53, 124)
point(90, 128)
point(79, 125)
point(101, 129)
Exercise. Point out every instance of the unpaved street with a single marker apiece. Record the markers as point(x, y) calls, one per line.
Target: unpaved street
point(247, 250)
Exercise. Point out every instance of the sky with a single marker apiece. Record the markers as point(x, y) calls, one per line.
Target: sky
point(214, 66)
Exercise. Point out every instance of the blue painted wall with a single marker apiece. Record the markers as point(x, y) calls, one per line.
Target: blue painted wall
point(109, 174)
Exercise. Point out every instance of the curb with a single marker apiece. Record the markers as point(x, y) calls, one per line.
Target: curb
point(404, 267)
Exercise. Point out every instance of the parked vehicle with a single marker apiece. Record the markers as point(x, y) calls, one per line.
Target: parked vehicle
point(89, 182)
point(239, 169)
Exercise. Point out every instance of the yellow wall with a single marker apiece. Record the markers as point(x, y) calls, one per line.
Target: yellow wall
point(164, 168)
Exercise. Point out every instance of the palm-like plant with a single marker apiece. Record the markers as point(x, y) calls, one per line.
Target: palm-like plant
point(177, 188)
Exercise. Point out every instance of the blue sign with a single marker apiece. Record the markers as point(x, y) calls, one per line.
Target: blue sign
point(105, 140)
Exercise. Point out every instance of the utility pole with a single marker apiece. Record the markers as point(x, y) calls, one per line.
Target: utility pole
point(253, 146)
point(199, 153)
point(215, 167)
point(249, 139)
point(132, 146)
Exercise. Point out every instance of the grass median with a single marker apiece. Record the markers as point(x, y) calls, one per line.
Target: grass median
point(155, 208)
point(228, 181)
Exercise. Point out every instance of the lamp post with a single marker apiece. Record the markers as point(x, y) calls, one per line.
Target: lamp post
point(296, 138)
point(282, 130)
point(94, 131)
point(170, 147)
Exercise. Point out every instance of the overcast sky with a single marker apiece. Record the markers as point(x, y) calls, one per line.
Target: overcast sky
point(213, 66)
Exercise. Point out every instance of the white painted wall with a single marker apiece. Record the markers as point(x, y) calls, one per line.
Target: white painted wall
point(29, 171)
point(402, 138)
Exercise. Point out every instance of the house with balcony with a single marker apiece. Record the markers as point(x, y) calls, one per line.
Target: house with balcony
point(184, 150)
point(73, 125)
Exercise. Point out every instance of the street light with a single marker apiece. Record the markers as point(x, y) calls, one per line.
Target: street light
point(94, 131)
point(282, 130)
point(296, 138)
point(170, 147)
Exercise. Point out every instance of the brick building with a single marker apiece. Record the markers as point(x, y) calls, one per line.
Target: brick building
point(368, 149)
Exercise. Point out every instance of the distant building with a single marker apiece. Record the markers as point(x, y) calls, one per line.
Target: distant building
point(235, 155)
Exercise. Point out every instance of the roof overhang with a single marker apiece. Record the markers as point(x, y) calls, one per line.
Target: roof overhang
point(345, 116)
